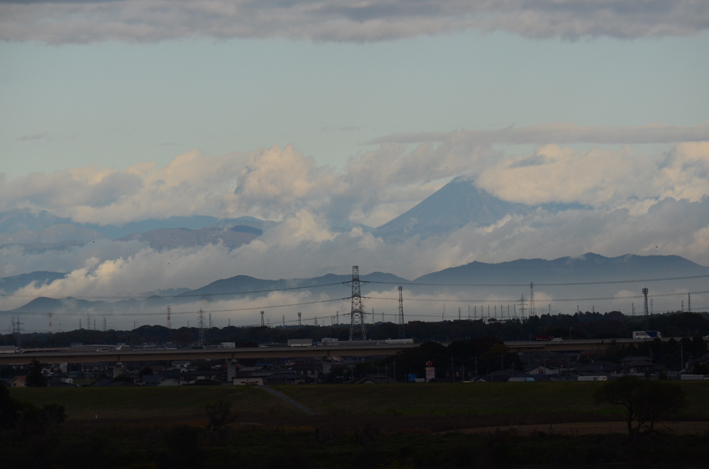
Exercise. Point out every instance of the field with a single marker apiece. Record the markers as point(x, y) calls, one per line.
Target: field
point(554, 401)
point(157, 403)
point(442, 425)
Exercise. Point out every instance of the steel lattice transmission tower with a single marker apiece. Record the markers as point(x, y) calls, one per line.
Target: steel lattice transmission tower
point(169, 319)
point(357, 327)
point(532, 309)
point(201, 327)
point(401, 312)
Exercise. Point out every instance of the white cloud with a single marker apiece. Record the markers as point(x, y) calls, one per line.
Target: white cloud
point(341, 20)
point(641, 204)
point(600, 177)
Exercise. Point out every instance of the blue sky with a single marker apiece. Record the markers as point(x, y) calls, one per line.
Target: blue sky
point(115, 103)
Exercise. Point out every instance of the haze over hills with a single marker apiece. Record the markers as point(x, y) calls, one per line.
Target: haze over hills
point(476, 283)
point(43, 230)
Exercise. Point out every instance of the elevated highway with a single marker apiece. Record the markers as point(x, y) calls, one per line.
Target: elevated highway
point(69, 356)
point(581, 345)
point(342, 350)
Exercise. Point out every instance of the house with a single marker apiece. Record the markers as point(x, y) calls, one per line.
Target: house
point(247, 381)
point(60, 382)
point(637, 365)
point(375, 379)
point(18, 382)
point(285, 378)
point(542, 370)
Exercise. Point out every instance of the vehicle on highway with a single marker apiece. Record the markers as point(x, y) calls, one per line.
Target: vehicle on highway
point(647, 335)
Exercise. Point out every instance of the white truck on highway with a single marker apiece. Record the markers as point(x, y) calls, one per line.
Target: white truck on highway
point(647, 335)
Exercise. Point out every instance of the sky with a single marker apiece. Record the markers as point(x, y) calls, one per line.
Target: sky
point(320, 113)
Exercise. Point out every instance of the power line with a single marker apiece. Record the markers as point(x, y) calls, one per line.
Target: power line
point(563, 284)
point(468, 300)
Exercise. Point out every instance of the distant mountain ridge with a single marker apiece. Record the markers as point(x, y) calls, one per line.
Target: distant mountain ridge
point(587, 267)
point(43, 230)
point(513, 276)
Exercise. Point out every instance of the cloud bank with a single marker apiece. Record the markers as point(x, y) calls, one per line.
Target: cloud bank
point(63, 21)
point(626, 202)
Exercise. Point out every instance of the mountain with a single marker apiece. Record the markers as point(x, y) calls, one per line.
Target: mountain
point(42, 230)
point(13, 221)
point(589, 281)
point(331, 284)
point(58, 234)
point(587, 268)
point(455, 205)
point(15, 282)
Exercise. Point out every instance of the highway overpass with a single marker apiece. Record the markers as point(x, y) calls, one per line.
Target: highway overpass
point(69, 356)
point(342, 350)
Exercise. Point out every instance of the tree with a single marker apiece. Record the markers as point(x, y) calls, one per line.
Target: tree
point(658, 399)
point(35, 378)
point(645, 401)
point(8, 409)
point(219, 414)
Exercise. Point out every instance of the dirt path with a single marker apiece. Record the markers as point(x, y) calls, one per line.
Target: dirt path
point(589, 428)
point(287, 399)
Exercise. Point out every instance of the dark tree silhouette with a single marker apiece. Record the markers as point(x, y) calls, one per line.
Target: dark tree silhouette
point(645, 401)
point(35, 378)
point(8, 409)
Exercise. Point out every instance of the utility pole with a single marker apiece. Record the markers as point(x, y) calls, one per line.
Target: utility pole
point(50, 322)
point(357, 314)
point(299, 322)
point(689, 302)
point(210, 321)
point(647, 312)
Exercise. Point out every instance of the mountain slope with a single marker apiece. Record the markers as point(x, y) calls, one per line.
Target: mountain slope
point(13, 283)
point(453, 206)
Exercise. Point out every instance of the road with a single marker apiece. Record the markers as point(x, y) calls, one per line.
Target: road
point(341, 350)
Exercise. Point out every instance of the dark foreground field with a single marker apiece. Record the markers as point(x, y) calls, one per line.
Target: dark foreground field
point(444, 425)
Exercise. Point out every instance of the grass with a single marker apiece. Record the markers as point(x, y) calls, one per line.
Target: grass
point(155, 403)
point(470, 399)
point(517, 400)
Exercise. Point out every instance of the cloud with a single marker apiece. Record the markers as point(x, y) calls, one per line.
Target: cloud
point(601, 178)
point(38, 136)
point(65, 21)
point(380, 184)
point(303, 247)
